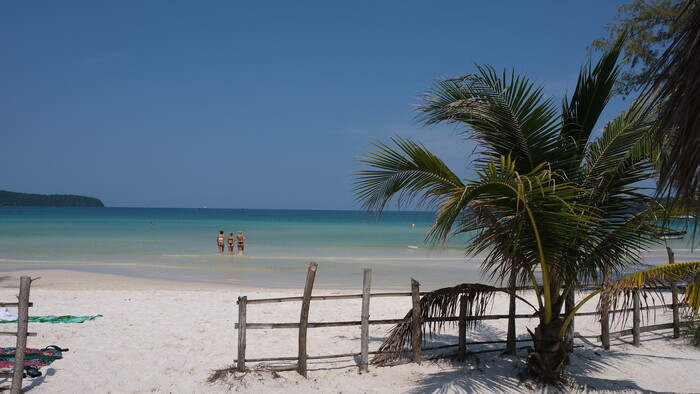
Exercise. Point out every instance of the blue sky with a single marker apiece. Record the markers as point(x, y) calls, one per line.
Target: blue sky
point(234, 104)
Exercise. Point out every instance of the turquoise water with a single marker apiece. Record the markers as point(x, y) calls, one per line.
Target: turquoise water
point(180, 244)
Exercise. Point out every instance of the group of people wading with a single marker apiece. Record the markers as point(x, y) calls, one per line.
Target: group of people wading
point(238, 239)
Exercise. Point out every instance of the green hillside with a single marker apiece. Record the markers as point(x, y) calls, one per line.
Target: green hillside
point(47, 200)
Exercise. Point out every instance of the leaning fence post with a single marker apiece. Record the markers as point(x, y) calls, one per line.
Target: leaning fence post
point(636, 317)
point(605, 319)
point(416, 321)
point(364, 331)
point(304, 318)
point(22, 326)
point(242, 310)
point(674, 297)
point(462, 342)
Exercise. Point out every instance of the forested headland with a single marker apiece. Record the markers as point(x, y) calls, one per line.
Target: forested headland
point(47, 200)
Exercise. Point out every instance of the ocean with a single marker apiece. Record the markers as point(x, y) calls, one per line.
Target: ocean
point(180, 245)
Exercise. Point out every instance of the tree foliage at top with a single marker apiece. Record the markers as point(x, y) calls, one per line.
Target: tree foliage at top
point(651, 25)
point(675, 80)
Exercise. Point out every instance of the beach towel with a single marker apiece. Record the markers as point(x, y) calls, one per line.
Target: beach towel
point(33, 360)
point(55, 319)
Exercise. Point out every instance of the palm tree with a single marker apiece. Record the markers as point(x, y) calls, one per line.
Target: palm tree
point(550, 204)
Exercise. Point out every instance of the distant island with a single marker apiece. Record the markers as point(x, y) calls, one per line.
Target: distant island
point(47, 200)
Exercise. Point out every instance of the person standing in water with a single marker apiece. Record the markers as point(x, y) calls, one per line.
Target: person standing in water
point(231, 240)
point(240, 238)
point(220, 241)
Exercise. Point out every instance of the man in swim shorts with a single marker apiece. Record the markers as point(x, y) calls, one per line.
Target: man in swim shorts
point(220, 241)
point(240, 238)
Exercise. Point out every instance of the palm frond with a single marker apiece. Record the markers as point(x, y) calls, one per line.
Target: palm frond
point(593, 91)
point(507, 113)
point(624, 142)
point(620, 244)
point(435, 306)
point(650, 282)
point(407, 171)
point(501, 207)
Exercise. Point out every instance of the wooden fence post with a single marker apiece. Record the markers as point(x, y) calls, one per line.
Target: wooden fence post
point(605, 320)
point(242, 310)
point(568, 308)
point(676, 316)
point(304, 318)
point(636, 318)
point(22, 326)
point(364, 330)
point(462, 341)
point(416, 321)
point(674, 298)
point(510, 335)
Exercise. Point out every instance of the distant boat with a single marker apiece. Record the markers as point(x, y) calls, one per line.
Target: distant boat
point(673, 235)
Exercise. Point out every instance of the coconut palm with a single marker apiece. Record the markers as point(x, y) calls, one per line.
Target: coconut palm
point(552, 203)
point(524, 222)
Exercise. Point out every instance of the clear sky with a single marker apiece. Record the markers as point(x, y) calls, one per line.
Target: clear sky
point(251, 104)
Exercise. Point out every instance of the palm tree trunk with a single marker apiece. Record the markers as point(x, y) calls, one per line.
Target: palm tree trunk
point(550, 355)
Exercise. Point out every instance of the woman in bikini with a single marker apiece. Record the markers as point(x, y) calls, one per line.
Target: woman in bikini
point(220, 241)
point(240, 238)
point(231, 240)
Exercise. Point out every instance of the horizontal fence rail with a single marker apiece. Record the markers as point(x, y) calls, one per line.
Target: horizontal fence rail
point(393, 294)
point(399, 294)
point(253, 326)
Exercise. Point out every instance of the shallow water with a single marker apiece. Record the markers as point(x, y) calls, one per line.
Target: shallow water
point(180, 244)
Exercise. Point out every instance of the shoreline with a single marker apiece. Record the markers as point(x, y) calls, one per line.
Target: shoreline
point(67, 279)
point(330, 276)
point(231, 272)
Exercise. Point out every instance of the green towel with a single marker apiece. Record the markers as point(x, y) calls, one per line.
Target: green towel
point(56, 319)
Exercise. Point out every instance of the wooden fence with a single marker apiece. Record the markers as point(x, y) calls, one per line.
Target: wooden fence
point(22, 305)
point(416, 324)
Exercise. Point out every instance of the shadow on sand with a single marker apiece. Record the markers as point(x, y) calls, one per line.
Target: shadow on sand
point(490, 373)
point(591, 360)
point(494, 372)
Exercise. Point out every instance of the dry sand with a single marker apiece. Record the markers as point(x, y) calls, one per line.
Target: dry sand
point(168, 337)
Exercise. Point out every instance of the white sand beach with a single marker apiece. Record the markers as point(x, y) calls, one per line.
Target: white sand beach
point(168, 337)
